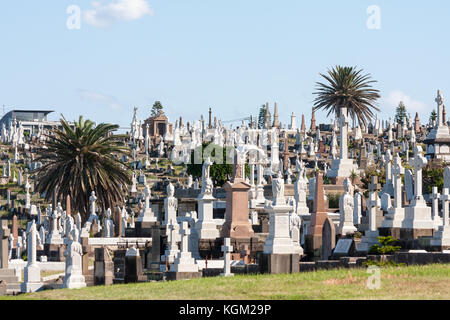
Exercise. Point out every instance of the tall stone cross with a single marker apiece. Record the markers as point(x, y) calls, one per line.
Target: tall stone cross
point(445, 198)
point(435, 196)
point(388, 159)
point(397, 170)
point(226, 249)
point(147, 194)
point(418, 162)
point(440, 102)
point(172, 242)
point(343, 122)
point(185, 232)
point(372, 204)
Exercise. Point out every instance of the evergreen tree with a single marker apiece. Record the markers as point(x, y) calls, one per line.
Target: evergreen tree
point(433, 115)
point(400, 115)
point(262, 116)
point(157, 108)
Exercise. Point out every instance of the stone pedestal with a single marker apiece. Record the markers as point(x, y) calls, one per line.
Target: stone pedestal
point(205, 226)
point(418, 217)
point(103, 267)
point(394, 218)
point(279, 240)
point(32, 279)
point(279, 263)
point(441, 238)
point(182, 275)
point(144, 228)
point(259, 198)
point(369, 239)
point(133, 267)
point(237, 224)
point(184, 261)
point(342, 168)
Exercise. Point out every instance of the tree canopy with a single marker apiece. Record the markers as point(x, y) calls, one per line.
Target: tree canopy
point(347, 87)
point(157, 108)
point(80, 160)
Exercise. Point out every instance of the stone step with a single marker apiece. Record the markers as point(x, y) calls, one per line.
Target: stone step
point(10, 279)
point(13, 286)
point(6, 272)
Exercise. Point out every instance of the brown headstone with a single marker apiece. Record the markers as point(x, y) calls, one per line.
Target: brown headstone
point(85, 259)
point(15, 230)
point(68, 208)
point(118, 222)
point(303, 128)
point(328, 238)
point(237, 224)
point(313, 121)
point(4, 235)
point(245, 254)
point(103, 267)
point(314, 236)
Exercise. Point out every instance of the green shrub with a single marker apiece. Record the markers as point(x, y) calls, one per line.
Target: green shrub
point(387, 246)
point(333, 200)
point(382, 263)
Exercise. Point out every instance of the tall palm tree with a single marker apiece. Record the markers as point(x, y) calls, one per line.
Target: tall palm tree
point(80, 160)
point(347, 87)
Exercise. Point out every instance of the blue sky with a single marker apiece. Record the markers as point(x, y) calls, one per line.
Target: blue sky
point(230, 55)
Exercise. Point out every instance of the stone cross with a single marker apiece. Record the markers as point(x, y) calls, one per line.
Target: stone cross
point(31, 254)
point(173, 245)
point(440, 102)
point(445, 198)
point(388, 159)
point(435, 196)
point(226, 249)
point(185, 232)
point(372, 205)
point(373, 186)
point(397, 170)
point(418, 162)
point(343, 123)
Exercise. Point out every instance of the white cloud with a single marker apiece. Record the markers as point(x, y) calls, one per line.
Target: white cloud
point(412, 106)
point(100, 98)
point(103, 15)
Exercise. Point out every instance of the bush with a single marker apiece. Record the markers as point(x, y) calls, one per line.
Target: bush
point(386, 247)
point(333, 200)
point(383, 263)
point(433, 178)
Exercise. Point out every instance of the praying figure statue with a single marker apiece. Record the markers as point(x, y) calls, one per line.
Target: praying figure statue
point(74, 273)
point(346, 206)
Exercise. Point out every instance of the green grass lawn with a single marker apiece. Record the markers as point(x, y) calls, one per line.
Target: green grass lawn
point(414, 282)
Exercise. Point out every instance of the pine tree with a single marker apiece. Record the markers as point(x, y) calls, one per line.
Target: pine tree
point(433, 115)
point(400, 116)
point(262, 116)
point(157, 108)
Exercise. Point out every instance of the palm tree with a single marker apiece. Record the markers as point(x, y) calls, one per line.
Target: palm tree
point(80, 160)
point(347, 88)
